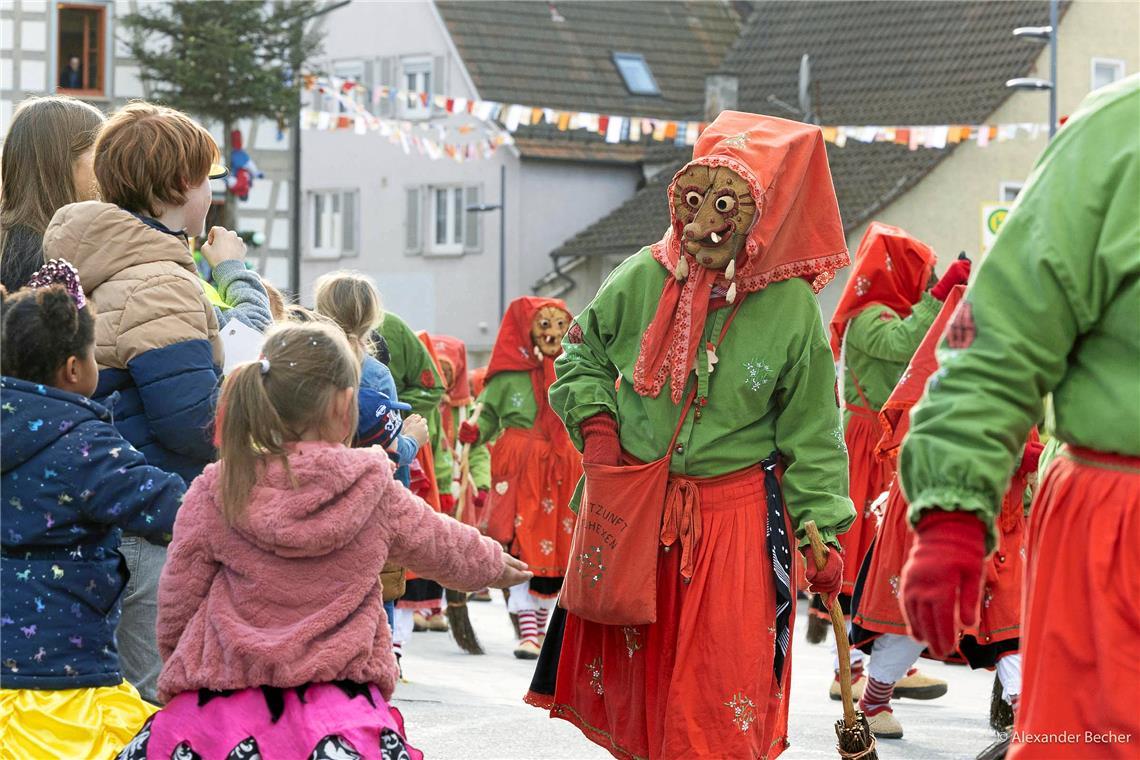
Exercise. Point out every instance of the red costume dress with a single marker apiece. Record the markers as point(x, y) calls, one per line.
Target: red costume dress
point(876, 608)
point(891, 271)
point(534, 466)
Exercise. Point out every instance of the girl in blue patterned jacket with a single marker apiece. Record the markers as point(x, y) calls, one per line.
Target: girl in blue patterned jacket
point(70, 483)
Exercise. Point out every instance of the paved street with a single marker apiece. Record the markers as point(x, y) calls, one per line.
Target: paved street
point(459, 706)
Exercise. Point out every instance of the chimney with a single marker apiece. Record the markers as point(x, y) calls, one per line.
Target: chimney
point(720, 94)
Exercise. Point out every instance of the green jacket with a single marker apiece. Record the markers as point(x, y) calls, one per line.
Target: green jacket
point(773, 389)
point(418, 384)
point(508, 402)
point(1055, 307)
point(878, 345)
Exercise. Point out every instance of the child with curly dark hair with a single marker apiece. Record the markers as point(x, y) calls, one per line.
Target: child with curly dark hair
point(70, 484)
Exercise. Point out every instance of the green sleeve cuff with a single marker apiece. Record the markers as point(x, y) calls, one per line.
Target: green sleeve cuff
point(955, 499)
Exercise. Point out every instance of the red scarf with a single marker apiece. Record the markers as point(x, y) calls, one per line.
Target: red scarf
point(514, 351)
point(891, 268)
point(797, 233)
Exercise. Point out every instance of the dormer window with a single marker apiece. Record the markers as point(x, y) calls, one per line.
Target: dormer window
point(636, 74)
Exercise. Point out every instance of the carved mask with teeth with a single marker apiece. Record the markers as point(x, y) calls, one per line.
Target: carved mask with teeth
point(714, 209)
point(548, 328)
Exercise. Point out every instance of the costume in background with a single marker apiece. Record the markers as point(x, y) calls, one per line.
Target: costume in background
point(534, 466)
point(458, 406)
point(878, 625)
point(419, 384)
point(746, 345)
point(1055, 308)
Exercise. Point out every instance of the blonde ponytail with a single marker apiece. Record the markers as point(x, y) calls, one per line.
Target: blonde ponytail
point(268, 404)
point(351, 301)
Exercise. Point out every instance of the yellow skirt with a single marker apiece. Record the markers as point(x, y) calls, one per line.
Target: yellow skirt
point(95, 722)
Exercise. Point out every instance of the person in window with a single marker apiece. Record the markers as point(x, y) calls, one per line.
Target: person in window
point(46, 164)
point(72, 76)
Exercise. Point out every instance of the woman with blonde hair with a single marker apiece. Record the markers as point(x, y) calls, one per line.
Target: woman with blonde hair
point(46, 164)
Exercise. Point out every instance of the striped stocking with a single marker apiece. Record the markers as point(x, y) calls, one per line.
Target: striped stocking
point(528, 626)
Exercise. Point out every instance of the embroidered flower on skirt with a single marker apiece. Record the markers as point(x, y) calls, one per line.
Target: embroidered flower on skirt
point(594, 669)
point(743, 711)
point(632, 639)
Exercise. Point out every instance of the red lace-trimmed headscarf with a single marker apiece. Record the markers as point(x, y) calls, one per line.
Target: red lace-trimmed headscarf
point(891, 268)
point(797, 233)
point(452, 352)
point(514, 351)
point(895, 414)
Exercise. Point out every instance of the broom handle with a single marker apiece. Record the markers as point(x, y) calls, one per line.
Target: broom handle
point(819, 554)
point(465, 467)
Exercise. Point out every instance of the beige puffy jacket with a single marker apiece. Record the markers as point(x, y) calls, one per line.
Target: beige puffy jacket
point(156, 334)
point(143, 283)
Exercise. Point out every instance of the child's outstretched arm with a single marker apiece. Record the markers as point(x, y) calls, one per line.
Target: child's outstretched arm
point(190, 566)
point(242, 290)
point(123, 490)
point(437, 547)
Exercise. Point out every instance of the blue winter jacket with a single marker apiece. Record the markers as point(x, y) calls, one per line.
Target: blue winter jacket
point(69, 483)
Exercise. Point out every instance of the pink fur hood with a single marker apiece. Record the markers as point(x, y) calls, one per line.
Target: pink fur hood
point(290, 593)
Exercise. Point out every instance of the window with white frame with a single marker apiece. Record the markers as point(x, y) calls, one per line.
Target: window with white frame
point(332, 219)
point(1008, 191)
point(1105, 71)
point(415, 78)
point(439, 222)
point(447, 219)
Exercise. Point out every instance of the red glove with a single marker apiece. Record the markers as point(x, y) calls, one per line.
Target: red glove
point(468, 433)
point(957, 273)
point(447, 503)
point(828, 581)
point(481, 497)
point(1031, 458)
point(942, 578)
point(600, 434)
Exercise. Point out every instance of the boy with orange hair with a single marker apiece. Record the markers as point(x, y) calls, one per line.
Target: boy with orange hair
point(157, 341)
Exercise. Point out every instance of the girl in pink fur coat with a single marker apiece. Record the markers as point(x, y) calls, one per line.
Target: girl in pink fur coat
point(270, 622)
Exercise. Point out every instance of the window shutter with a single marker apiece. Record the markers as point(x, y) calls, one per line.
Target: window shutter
point(438, 70)
point(348, 219)
point(370, 83)
point(413, 244)
point(473, 231)
point(387, 78)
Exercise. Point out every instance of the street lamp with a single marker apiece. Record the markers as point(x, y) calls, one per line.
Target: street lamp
point(295, 231)
point(500, 207)
point(1048, 33)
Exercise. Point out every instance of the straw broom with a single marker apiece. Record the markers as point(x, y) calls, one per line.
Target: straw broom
point(855, 739)
point(458, 620)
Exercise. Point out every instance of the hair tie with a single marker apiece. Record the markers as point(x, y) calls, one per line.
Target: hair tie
point(264, 364)
point(60, 272)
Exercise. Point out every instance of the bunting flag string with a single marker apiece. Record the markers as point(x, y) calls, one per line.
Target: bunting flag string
point(504, 119)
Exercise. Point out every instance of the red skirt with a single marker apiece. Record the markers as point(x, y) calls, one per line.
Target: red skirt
point(1081, 634)
point(879, 609)
point(869, 477)
point(700, 681)
point(532, 482)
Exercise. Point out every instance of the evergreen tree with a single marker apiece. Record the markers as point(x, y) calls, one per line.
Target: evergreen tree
point(224, 60)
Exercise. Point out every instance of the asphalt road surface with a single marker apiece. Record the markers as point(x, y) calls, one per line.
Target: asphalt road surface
point(461, 707)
